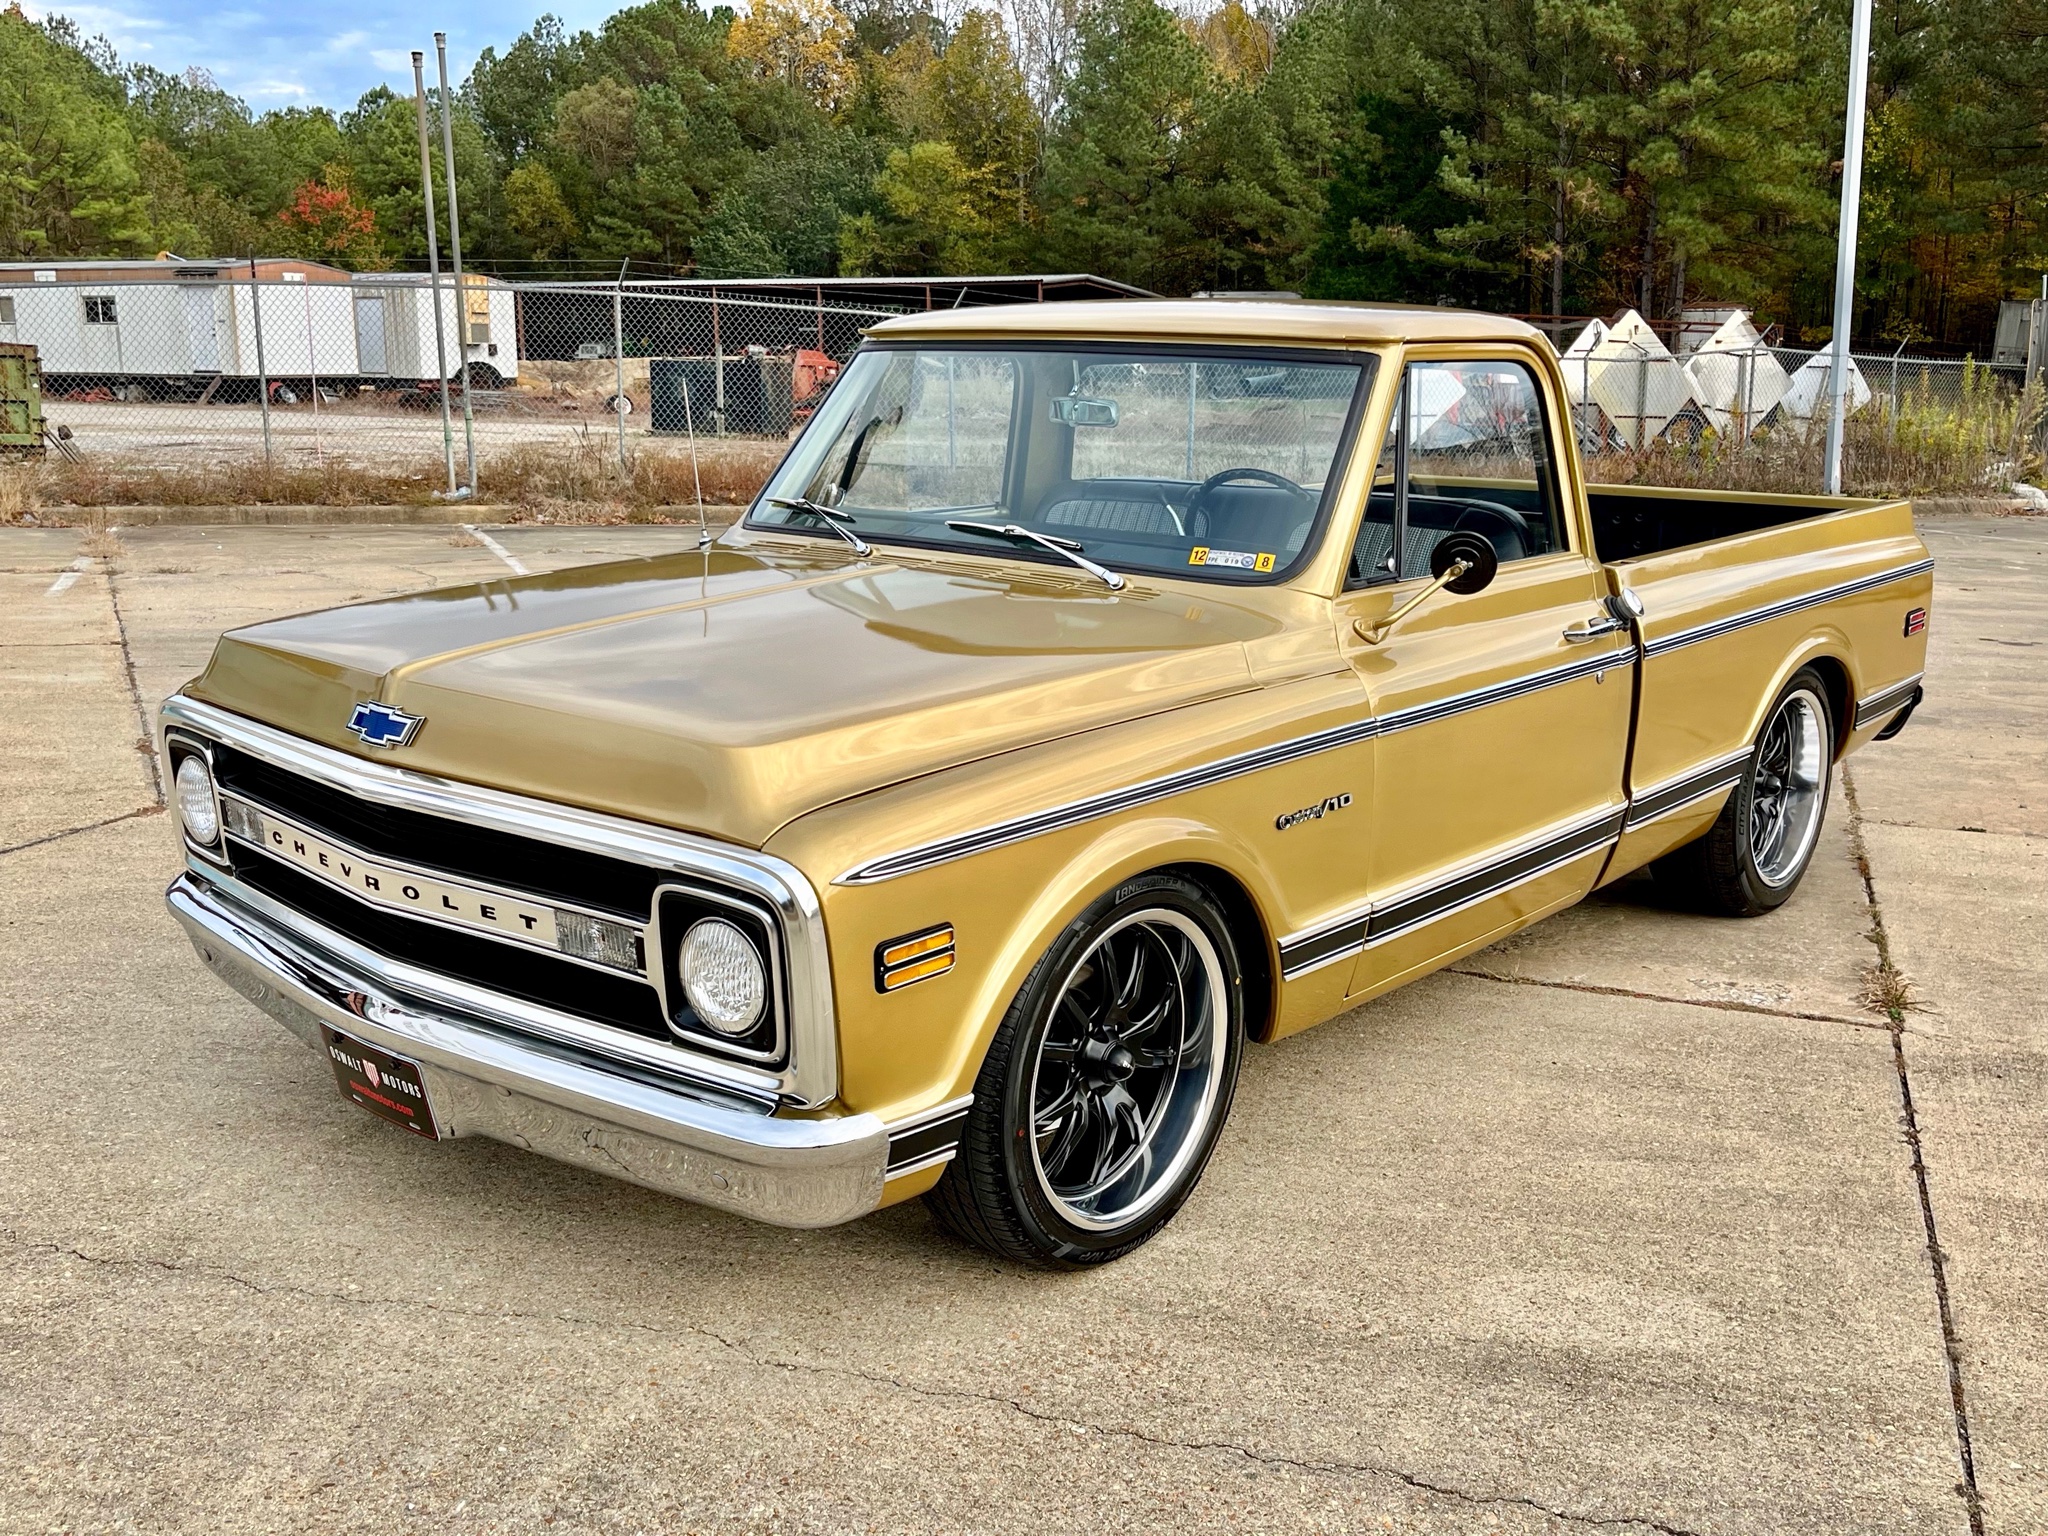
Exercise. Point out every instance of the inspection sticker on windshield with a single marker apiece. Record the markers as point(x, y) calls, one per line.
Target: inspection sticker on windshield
point(1236, 559)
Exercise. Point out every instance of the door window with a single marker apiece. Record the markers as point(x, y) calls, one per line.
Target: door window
point(1468, 448)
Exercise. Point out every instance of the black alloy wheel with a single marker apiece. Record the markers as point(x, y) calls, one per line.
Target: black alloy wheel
point(1106, 1086)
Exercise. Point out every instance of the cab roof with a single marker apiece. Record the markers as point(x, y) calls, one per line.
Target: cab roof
point(1239, 320)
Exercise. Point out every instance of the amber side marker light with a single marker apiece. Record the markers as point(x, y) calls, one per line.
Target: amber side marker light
point(914, 957)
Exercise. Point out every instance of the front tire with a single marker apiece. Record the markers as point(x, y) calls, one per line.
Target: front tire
point(1107, 1084)
point(1759, 848)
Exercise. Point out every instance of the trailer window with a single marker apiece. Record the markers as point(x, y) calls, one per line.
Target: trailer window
point(6, 311)
point(99, 311)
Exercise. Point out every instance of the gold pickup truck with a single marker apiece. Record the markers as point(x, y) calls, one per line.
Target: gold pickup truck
point(1093, 689)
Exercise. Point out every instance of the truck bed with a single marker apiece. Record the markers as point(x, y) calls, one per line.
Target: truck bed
point(1631, 521)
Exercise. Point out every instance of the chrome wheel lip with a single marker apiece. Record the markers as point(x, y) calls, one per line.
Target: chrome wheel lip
point(1789, 789)
point(1168, 1173)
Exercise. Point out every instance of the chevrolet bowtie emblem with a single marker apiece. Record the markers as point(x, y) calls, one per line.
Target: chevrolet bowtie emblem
point(379, 725)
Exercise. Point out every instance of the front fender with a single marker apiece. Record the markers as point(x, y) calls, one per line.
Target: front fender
point(923, 1045)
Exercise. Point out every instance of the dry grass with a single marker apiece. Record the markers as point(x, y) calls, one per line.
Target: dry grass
point(1975, 445)
point(101, 539)
point(1889, 992)
point(18, 488)
point(579, 480)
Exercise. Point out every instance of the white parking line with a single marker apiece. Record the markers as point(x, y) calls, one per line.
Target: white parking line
point(77, 568)
point(496, 548)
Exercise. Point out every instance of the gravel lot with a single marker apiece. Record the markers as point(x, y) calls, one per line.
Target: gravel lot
point(1624, 1224)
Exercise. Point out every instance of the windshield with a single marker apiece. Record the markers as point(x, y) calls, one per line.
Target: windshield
point(1211, 464)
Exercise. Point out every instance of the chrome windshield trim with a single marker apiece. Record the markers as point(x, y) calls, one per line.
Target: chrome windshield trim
point(1778, 610)
point(812, 1075)
point(1886, 701)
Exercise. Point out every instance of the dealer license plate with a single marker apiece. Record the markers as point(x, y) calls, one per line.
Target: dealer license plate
point(386, 1085)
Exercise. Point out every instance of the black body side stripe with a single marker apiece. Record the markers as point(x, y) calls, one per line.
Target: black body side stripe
point(1676, 794)
point(1500, 693)
point(925, 1143)
point(1073, 813)
point(1889, 702)
point(1729, 625)
point(1350, 934)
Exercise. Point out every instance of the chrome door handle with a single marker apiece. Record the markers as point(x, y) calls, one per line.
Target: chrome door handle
point(1593, 629)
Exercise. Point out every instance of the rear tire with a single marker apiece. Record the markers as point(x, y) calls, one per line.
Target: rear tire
point(1107, 1084)
point(1758, 850)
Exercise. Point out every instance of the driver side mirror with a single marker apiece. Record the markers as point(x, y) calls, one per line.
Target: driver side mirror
point(1462, 562)
point(1474, 552)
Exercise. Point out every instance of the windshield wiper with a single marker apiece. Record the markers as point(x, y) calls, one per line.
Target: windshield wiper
point(836, 521)
point(1066, 549)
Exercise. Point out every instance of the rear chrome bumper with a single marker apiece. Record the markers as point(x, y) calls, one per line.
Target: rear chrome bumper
point(481, 1082)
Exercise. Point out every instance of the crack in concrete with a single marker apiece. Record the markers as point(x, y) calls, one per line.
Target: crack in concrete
point(1951, 1343)
point(91, 826)
point(156, 767)
point(1725, 1005)
point(1929, 826)
point(739, 1348)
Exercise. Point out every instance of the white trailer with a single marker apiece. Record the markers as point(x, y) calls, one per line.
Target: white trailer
point(394, 327)
point(147, 324)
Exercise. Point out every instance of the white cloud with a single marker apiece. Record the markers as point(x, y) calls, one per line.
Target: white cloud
point(274, 89)
point(348, 42)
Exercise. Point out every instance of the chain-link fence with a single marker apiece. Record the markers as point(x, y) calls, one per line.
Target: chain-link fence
point(198, 374)
point(1629, 394)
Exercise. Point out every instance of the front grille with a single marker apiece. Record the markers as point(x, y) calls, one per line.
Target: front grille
point(624, 1002)
point(434, 842)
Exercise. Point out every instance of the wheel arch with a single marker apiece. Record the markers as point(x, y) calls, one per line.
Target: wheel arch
point(1254, 936)
point(1824, 651)
point(1158, 844)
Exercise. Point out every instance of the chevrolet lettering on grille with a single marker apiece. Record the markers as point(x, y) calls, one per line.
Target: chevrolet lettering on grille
point(391, 885)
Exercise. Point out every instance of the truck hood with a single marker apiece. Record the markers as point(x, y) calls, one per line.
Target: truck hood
point(729, 690)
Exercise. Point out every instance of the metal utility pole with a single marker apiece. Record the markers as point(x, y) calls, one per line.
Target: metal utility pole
point(2037, 322)
point(262, 368)
point(1845, 241)
point(455, 257)
point(619, 402)
point(419, 99)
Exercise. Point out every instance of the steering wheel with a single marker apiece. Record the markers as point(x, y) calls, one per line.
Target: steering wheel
point(1244, 472)
point(1506, 520)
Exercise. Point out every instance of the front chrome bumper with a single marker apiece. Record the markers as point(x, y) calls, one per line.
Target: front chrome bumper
point(793, 1173)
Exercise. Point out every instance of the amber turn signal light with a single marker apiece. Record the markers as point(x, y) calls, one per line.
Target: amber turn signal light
point(914, 957)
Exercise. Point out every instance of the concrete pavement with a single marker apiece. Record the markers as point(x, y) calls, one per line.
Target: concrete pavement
point(1618, 1226)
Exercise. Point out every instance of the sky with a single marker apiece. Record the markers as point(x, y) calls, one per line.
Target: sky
point(311, 55)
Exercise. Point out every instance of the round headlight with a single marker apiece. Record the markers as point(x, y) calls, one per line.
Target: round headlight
point(723, 976)
point(196, 802)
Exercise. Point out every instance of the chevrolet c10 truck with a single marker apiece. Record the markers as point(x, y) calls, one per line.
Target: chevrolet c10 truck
point(1092, 689)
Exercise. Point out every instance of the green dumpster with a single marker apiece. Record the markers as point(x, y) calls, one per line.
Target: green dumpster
point(21, 402)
